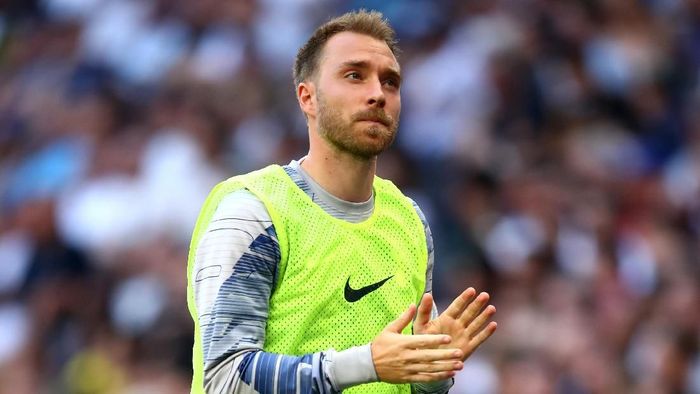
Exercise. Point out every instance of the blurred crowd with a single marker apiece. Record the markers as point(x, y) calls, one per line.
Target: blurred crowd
point(554, 146)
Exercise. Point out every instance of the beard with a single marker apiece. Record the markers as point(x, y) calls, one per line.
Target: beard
point(362, 142)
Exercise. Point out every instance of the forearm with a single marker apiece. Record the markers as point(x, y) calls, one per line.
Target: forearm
point(260, 372)
point(255, 371)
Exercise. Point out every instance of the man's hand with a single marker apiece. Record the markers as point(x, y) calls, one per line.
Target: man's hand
point(413, 358)
point(465, 320)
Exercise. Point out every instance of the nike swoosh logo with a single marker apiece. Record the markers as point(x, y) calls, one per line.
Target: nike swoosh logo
point(353, 295)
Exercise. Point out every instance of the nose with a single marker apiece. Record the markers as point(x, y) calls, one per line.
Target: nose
point(376, 95)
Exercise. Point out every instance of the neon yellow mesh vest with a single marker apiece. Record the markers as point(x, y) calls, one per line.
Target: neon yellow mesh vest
point(320, 256)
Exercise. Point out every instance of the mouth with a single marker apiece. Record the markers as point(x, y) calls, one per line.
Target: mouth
point(374, 120)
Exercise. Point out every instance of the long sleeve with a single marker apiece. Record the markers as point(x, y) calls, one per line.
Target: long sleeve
point(235, 270)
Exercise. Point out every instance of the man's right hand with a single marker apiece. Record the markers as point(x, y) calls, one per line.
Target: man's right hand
point(402, 358)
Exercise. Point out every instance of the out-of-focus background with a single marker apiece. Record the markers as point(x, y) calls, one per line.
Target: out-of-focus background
point(553, 144)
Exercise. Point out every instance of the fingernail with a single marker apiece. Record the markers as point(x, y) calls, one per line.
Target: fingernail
point(446, 339)
point(457, 353)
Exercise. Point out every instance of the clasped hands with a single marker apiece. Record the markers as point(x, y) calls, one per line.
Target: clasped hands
point(438, 347)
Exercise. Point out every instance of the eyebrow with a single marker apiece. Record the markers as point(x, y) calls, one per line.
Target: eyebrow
point(393, 72)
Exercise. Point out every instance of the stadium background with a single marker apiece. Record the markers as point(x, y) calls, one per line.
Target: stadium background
point(553, 144)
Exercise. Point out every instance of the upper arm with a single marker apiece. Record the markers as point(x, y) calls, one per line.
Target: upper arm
point(429, 246)
point(234, 269)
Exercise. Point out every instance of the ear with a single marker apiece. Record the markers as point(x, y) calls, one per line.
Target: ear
point(306, 95)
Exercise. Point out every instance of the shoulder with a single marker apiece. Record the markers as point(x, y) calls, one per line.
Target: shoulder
point(238, 196)
point(387, 188)
point(384, 187)
point(426, 226)
point(241, 204)
point(419, 212)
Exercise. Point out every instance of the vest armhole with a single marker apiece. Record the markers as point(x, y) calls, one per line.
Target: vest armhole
point(250, 183)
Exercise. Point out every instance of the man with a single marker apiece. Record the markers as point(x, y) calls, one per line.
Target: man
point(304, 278)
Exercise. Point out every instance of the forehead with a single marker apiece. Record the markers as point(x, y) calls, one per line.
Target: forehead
point(346, 46)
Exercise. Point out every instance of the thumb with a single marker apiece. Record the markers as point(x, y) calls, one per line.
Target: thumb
point(402, 321)
point(423, 313)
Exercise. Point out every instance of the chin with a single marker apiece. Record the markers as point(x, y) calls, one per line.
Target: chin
point(377, 131)
point(376, 147)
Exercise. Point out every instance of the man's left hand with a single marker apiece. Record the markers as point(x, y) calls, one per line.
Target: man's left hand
point(466, 320)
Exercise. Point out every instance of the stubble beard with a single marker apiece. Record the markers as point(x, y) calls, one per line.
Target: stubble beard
point(343, 137)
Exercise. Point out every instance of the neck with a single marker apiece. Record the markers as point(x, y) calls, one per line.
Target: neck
point(341, 174)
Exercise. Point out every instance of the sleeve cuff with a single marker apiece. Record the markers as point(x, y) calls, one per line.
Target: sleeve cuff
point(351, 367)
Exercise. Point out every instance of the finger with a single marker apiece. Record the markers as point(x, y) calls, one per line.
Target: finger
point(435, 367)
point(429, 355)
point(402, 321)
point(431, 376)
point(473, 309)
point(423, 315)
point(482, 336)
point(457, 306)
point(479, 323)
point(424, 341)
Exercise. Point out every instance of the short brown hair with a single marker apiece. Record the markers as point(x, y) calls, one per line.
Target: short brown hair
point(371, 23)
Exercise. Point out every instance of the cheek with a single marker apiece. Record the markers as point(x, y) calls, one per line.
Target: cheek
point(395, 109)
point(343, 100)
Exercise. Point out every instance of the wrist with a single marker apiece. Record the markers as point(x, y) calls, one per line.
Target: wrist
point(353, 366)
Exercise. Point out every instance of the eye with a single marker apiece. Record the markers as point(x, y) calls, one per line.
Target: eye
point(393, 82)
point(353, 75)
